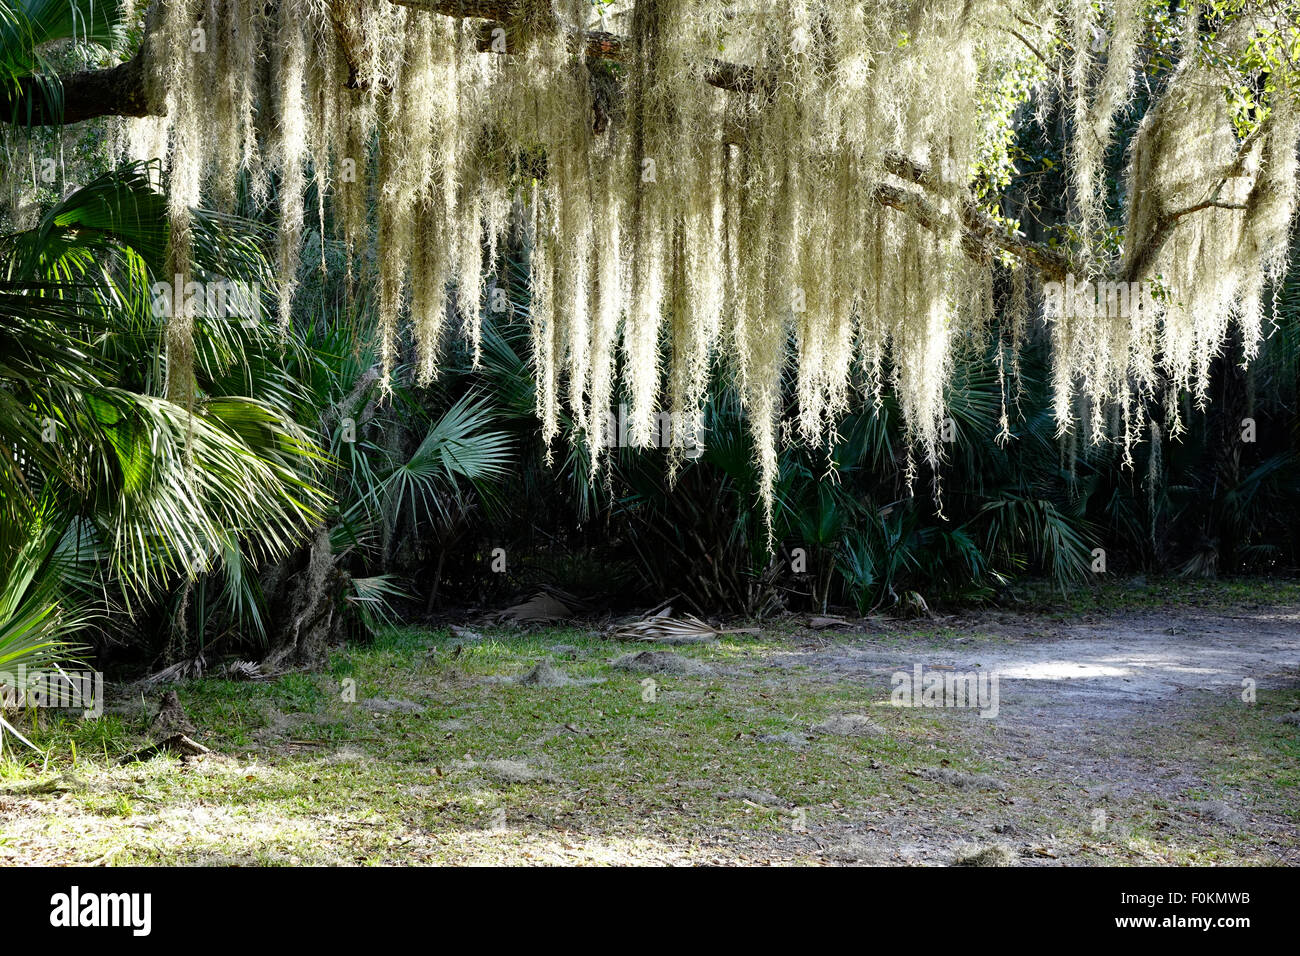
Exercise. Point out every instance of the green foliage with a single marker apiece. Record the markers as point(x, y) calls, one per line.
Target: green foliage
point(29, 29)
point(1000, 509)
point(155, 492)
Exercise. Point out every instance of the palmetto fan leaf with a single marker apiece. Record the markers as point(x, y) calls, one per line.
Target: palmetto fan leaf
point(180, 484)
point(164, 485)
point(35, 630)
point(458, 446)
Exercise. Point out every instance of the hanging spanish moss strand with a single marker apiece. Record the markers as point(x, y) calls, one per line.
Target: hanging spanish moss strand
point(290, 153)
point(178, 72)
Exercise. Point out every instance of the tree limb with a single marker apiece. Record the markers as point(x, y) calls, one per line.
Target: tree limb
point(598, 44)
point(87, 94)
point(1146, 256)
point(981, 229)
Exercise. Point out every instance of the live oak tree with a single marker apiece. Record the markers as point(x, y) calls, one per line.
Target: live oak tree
point(824, 178)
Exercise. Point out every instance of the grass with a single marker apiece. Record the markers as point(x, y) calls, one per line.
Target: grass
point(487, 767)
point(1138, 593)
point(1243, 753)
point(423, 748)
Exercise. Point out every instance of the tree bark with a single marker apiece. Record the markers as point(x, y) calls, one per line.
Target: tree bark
point(309, 587)
point(86, 94)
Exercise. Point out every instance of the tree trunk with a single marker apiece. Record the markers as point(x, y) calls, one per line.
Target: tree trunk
point(308, 586)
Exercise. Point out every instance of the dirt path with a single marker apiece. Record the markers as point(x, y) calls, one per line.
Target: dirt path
point(1067, 676)
point(1117, 726)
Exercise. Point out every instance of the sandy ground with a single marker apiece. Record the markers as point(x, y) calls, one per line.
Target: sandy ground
point(1103, 716)
point(1068, 678)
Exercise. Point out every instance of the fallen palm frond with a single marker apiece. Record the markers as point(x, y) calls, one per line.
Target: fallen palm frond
point(243, 670)
point(663, 628)
point(541, 607)
point(191, 669)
